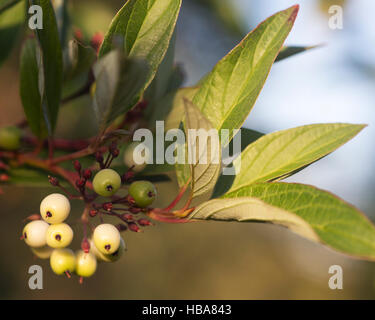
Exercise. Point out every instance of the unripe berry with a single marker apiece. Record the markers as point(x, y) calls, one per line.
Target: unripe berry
point(42, 252)
point(109, 257)
point(106, 182)
point(34, 233)
point(62, 261)
point(136, 157)
point(10, 138)
point(85, 264)
point(143, 193)
point(106, 238)
point(59, 235)
point(55, 208)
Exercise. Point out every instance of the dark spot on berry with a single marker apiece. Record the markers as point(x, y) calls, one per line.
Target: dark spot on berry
point(58, 237)
point(48, 214)
point(25, 235)
point(109, 188)
point(150, 194)
point(107, 247)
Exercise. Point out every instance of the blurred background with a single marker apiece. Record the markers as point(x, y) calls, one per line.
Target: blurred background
point(333, 83)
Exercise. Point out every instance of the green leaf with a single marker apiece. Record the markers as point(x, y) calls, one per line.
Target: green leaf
point(202, 153)
point(52, 64)
point(144, 29)
point(276, 155)
point(12, 17)
point(229, 92)
point(335, 222)
point(248, 209)
point(289, 51)
point(118, 85)
point(160, 84)
point(29, 88)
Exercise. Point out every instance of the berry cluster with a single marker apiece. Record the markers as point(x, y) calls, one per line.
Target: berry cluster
point(49, 236)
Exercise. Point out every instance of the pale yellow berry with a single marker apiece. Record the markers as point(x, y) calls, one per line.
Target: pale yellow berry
point(55, 208)
point(106, 238)
point(62, 261)
point(34, 233)
point(59, 235)
point(85, 264)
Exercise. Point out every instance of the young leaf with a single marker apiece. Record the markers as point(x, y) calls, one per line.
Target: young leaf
point(29, 89)
point(12, 17)
point(144, 28)
point(52, 64)
point(248, 209)
point(203, 152)
point(229, 92)
point(118, 85)
point(336, 223)
point(278, 154)
point(289, 51)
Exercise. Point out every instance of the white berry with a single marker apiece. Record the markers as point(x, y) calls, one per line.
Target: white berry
point(106, 238)
point(35, 232)
point(55, 208)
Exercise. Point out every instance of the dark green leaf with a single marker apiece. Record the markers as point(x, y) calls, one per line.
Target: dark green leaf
point(52, 64)
point(144, 29)
point(119, 82)
point(29, 89)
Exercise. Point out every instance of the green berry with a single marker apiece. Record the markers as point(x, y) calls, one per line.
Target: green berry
point(132, 156)
point(10, 138)
point(34, 233)
point(85, 264)
point(59, 235)
point(55, 208)
point(106, 238)
point(62, 261)
point(106, 182)
point(108, 257)
point(143, 193)
point(43, 252)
